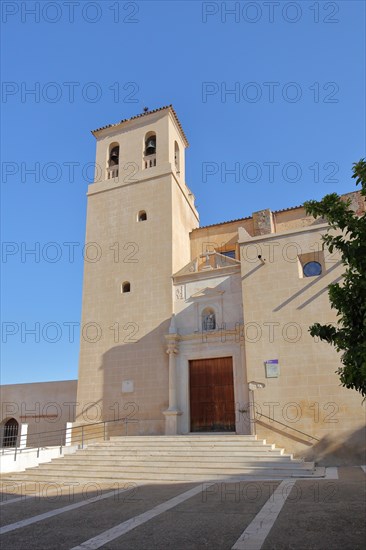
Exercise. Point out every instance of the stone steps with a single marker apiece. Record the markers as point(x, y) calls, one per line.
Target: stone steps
point(143, 476)
point(191, 437)
point(168, 459)
point(148, 465)
point(176, 443)
point(146, 477)
point(190, 446)
point(185, 452)
point(171, 457)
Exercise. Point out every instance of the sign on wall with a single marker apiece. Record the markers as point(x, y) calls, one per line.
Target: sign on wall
point(272, 368)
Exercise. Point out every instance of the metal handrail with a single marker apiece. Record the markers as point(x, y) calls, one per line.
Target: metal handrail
point(83, 431)
point(287, 426)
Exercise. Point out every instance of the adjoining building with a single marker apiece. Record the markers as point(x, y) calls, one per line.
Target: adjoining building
point(36, 414)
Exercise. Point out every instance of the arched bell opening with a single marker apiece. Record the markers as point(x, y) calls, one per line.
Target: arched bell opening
point(113, 161)
point(176, 157)
point(150, 150)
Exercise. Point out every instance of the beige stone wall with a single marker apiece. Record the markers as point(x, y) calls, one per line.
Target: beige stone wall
point(225, 235)
point(125, 371)
point(293, 218)
point(131, 325)
point(279, 306)
point(184, 219)
point(44, 406)
point(219, 237)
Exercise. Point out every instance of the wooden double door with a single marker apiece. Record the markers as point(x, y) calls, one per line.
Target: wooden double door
point(212, 405)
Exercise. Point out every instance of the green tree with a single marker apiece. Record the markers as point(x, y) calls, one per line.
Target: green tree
point(348, 297)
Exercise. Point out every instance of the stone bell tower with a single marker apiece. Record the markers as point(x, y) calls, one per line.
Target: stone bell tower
point(139, 216)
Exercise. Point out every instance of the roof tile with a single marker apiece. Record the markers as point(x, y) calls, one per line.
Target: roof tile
point(170, 107)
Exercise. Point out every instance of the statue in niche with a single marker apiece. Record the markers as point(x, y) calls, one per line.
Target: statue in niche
point(208, 321)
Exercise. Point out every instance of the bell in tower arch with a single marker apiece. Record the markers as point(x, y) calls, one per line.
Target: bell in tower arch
point(114, 156)
point(150, 148)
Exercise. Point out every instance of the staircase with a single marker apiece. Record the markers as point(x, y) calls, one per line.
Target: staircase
point(191, 458)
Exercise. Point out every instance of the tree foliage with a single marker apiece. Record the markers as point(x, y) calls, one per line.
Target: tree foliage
point(348, 297)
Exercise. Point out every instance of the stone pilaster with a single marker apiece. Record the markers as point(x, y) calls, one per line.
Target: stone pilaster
point(172, 413)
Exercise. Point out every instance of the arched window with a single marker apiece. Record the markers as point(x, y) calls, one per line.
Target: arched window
point(176, 157)
point(10, 433)
point(142, 216)
point(126, 287)
point(113, 161)
point(208, 319)
point(150, 150)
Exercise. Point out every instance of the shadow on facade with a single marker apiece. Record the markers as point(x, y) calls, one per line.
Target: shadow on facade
point(135, 382)
point(135, 373)
point(298, 438)
point(316, 280)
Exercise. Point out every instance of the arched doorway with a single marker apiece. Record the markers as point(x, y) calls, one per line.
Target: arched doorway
point(10, 433)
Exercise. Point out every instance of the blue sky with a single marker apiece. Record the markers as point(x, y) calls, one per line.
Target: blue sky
point(290, 130)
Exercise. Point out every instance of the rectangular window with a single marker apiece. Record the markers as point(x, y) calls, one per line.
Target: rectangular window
point(228, 253)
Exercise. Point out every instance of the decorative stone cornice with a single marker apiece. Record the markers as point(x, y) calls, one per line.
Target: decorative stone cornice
point(172, 348)
point(207, 293)
point(172, 343)
point(220, 335)
point(203, 275)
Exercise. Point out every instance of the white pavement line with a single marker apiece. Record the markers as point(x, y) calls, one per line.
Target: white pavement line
point(331, 473)
point(257, 531)
point(126, 526)
point(17, 499)
point(51, 513)
point(364, 468)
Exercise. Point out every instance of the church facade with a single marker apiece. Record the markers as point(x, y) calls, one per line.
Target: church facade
point(190, 329)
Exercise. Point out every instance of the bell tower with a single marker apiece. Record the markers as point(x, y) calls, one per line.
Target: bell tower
point(139, 216)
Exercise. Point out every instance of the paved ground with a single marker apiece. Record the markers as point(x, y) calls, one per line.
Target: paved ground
point(251, 515)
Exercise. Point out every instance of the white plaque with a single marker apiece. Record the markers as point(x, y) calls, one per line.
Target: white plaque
point(272, 368)
point(127, 386)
